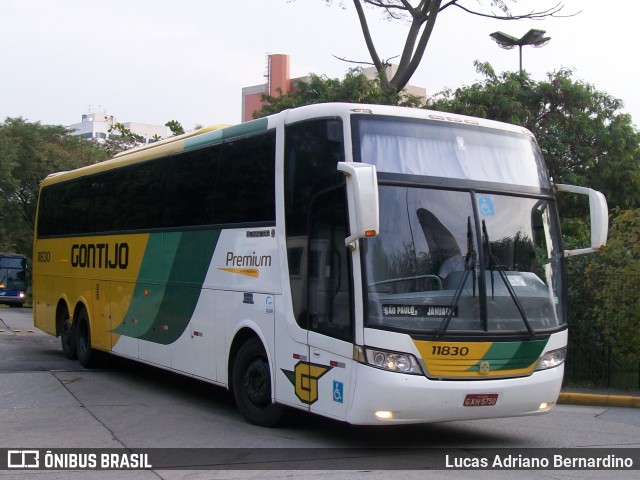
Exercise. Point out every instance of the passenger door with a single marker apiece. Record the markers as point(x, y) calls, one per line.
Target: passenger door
point(331, 326)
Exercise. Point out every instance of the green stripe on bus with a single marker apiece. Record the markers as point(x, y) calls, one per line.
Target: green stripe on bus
point(163, 310)
point(254, 126)
point(512, 355)
point(151, 284)
point(190, 267)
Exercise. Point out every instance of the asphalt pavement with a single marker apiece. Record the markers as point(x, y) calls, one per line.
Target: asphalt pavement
point(34, 350)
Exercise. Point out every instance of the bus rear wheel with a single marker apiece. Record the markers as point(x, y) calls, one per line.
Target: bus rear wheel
point(86, 354)
point(251, 380)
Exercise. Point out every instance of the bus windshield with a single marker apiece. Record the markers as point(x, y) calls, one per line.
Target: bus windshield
point(13, 273)
point(13, 279)
point(460, 259)
point(429, 248)
point(450, 150)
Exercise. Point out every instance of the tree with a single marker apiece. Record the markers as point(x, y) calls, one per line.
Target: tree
point(28, 153)
point(421, 15)
point(356, 87)
point(584, 137)
point(120, 139)
point(175, 127)
point(613, 279)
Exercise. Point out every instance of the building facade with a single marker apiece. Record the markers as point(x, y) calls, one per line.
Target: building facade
point(280, 82)
point(97, 126)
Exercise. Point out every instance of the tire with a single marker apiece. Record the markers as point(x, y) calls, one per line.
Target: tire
point(68, 338)
point(251, 381)
point(86, 354)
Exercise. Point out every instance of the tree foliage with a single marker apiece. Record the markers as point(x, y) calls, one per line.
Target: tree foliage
point(613, 304)
point(28, 153)
point(356, 87)
point(175, 127)
point(421, 16)
point(584, 137)
point(120, 139)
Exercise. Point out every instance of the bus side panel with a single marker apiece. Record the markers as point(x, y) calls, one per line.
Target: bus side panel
point(122, 309)
point(201, 348)
point(238, 310)
point(100, 315)
point(50, 265)
point(243, 281)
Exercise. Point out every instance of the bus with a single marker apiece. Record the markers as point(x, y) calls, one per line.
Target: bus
point(13, 279)
point(372, 264)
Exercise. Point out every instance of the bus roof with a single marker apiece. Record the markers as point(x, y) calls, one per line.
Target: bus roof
point(177, 138)
point(11, 255)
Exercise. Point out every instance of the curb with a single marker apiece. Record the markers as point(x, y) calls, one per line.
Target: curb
point(627, 401)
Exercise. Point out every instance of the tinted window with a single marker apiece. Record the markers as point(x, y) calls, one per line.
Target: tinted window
point(316, 219)
point(245, 184)
point(190, 188)
point(225, 183)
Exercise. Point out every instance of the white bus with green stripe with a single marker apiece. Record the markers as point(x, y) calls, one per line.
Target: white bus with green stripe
point(372, 264)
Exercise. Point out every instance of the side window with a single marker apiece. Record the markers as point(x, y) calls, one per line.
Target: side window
point(315, 216)
point(108, 215)
point(66, 208)
point(233, 182)
point(245, 183)
point(49, 217)
point(191, 181)
point(144, 196)
point(329, 290)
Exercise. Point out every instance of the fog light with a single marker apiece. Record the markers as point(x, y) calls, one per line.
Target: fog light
point(384, 414)
point(545, 406)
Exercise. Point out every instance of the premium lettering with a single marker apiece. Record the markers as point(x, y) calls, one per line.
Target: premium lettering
point(252, 260)
point(100, 255)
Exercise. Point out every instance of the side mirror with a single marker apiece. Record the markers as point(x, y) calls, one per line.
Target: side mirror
point(362, 194)
point(599, 214)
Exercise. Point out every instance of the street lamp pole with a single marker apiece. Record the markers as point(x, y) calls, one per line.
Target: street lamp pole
point(533, 37)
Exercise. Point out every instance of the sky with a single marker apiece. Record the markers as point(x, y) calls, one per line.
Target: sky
point(152, 61)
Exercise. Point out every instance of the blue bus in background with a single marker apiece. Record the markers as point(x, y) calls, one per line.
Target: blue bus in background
point(13, 279)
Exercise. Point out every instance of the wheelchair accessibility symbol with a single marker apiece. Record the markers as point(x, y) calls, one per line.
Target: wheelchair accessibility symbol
point(485, 207)
point(338, 390)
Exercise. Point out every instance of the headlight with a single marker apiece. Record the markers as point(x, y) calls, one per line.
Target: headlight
point(392, 361)
point(552, 359)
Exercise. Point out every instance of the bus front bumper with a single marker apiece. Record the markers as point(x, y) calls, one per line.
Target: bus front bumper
point(386, 397)
point(11, 299)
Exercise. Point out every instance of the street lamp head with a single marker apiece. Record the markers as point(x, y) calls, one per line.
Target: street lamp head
point(504, 40)
point(541, 42)
point(533, 37)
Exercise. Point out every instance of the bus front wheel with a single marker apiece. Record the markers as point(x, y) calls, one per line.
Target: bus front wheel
point(251, 382)
point(86, 354)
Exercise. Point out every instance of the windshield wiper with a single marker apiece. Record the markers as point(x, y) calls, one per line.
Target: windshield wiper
point(469, 266)
point(493, 262)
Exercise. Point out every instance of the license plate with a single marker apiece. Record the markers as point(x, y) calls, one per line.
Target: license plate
point(480, 400)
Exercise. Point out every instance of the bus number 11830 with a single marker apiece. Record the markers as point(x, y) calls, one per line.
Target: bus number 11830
point(447, 350)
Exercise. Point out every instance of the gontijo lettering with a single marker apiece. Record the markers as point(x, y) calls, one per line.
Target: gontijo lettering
point(100, 255)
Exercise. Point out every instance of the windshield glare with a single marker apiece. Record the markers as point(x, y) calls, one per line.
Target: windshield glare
point(431, 249)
